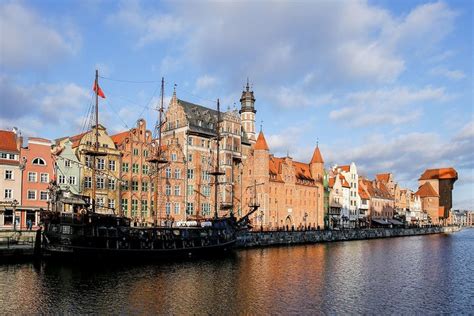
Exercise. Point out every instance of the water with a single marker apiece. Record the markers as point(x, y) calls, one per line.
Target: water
point(424, 274)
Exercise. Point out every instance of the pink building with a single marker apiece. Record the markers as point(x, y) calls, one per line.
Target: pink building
point(38, 172)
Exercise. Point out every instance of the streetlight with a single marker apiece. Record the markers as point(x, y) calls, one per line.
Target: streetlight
point(14, 204)
point(304, 219)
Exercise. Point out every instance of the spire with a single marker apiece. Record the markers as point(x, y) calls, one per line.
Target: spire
point(247, 100)
point(317, 157)
point(248, 86)
point(261, 143)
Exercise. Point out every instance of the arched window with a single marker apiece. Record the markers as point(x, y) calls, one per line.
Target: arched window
point(39, 161)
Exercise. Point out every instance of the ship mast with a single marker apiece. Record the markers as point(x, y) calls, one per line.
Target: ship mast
point(217, 172)
point(158, 158)
point(96, 142)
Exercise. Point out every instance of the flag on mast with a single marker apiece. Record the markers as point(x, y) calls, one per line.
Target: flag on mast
point(98, 90)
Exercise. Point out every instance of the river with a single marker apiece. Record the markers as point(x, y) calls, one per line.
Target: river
point(424, 274)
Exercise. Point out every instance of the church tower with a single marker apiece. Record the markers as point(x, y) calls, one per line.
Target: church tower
point(247, 113)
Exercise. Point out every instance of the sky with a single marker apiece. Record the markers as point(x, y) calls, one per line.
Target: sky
point(386, 84)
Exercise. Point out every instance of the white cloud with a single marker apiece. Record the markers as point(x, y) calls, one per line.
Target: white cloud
point(389, 106)
point(27, 40)
point(205, 82)
point(450, 74)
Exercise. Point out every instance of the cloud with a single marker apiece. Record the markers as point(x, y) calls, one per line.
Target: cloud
point(450, 74)
point(205, 82)
point(30, 107)
point(386, 106)
point(149, 26)
point(27, 40)
point(295, 97)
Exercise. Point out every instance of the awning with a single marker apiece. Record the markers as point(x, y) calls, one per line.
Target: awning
point(380, 221)
point(395, 222)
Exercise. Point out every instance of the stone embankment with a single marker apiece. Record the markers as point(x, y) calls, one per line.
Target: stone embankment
point(280, 238)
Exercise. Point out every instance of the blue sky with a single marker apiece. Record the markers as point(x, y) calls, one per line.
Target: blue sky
point(387, 84)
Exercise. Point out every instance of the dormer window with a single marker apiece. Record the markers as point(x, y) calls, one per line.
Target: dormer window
point(39, 161)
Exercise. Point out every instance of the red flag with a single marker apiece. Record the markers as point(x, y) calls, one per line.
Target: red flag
point(99, 91)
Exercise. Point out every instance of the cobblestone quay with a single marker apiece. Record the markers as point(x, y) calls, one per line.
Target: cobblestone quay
point(280, 238)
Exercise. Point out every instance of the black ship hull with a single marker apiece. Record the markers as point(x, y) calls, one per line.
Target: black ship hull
point(104, 236)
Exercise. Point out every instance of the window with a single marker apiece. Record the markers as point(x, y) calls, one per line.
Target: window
point(190, 173)
point(177, 173)
point(134, 185)
point(206, 209)
point(206, 190)
point(203, 143)
point(190, 157)
point(189, 208)
point(144, 208)
point(112, 165)
point(168, 189)
point(8, 194)
point(88, 161)
point(100, 163)
point(145, 169)
point(134, 207)
point(67, 163)
point(44, 178)
point(145, 186)
point(205, 175)
point(190, 189)
point(177, 190)
point(135, 151)
point(174, 157)
point(168, 208)
point(31, 176)
point(31, 195)
point(145, 153)
point(43, 195)
point(168, 173)
point(176, 208)
point(38, 161)
point(135, 168)
point(111, 204)
point(87, 182)
point(125, 167)
point(111, 184)
point(72, 180)
point(124, 185)
point(124, 205)
point(100, 183)
point(8, 174)
point(190, 141)
point(100, 202)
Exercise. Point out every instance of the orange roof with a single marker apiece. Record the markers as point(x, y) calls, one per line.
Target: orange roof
point(363, 194)
point(426, 190)
point(275, 167)
point(302, 170)
point(261, 143)
point(120, 137)
point(441, 173)
point(344, 182)
point(317, 158)
point(8, 141)
point(331, 182)
point(76, 139)
point(384, 177)
point(345, 168)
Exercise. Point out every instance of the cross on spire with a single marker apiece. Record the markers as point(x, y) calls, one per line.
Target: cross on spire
point(261, 125)
point(317, 141)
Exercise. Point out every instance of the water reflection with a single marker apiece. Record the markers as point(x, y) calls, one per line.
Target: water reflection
point(425, 274)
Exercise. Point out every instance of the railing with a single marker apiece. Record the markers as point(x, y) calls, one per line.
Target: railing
point(12, 241)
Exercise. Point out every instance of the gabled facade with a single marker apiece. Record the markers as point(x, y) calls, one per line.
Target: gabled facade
point(350, 174)
point(67, 167)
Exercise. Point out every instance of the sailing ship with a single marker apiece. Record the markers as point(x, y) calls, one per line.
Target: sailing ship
point(74, 228)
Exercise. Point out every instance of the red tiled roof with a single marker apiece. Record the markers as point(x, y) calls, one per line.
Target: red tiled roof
point(317, 158)
point(274, 165)
point(363, 194)
point(120, 137)
point(8, 141)
point(9, 162)
point(441, 173)
point(345, 168)
point(426, 190)
point(331, 182)
point(76, 139)
point(261, 143)
point(344, 182)
point(302, 171)
point(384, 177)
point(40, 139)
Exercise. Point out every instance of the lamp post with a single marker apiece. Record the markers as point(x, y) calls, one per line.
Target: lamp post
point(304, 219)
point(14, 205)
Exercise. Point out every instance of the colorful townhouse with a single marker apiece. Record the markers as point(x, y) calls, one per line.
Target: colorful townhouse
point(67, 167)
point(351, 176)
point(339, 200)
point(11, 176)
point(37, 174)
